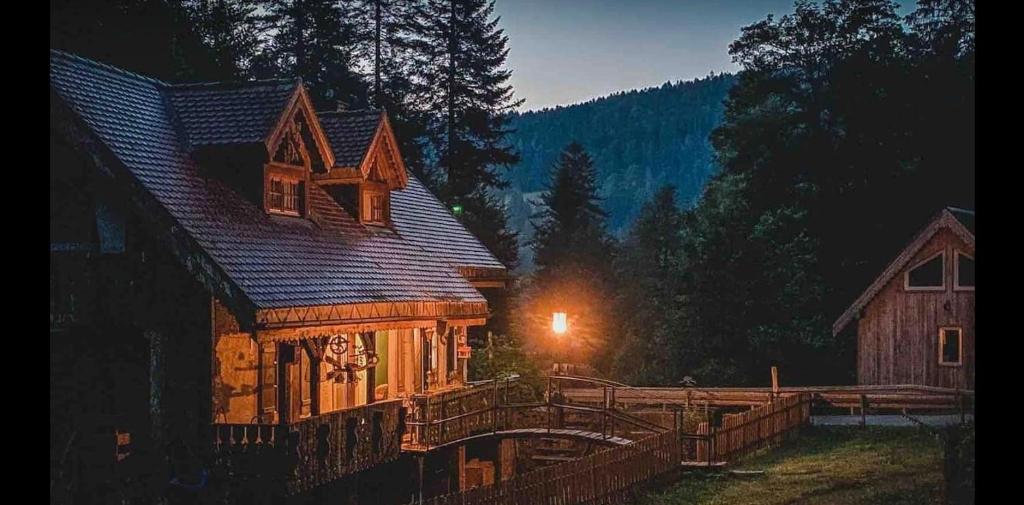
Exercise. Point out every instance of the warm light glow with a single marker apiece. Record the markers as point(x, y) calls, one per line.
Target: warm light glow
point(559, 324)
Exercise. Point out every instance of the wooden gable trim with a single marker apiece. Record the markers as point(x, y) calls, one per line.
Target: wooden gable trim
point(300, 103)
point(485, 277)
point(384, 143)
point(371, 315)
point(944, 220)
point(166, 229)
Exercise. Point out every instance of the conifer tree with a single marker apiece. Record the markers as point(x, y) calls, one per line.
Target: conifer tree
point(649, 294)
point(312, 39)
point(386, 47)
point(574, 255)
point(466, 96)
point(229, 28)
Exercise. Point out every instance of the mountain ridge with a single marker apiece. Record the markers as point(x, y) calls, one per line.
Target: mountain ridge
point(639, 139)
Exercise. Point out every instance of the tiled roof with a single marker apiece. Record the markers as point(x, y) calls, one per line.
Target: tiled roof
point(422, 219)
point(230, 113)
point(350, 134)
point(276, 262)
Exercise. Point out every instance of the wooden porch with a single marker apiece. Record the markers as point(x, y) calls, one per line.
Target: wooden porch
point(300, 456)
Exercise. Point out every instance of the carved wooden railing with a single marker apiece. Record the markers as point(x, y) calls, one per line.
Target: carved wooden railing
point(314, 451)
point(444, 418)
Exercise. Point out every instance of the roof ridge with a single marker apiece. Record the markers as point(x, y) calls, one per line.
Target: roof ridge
point(216, 84)
point(106, 66)
point(958, 209)
point(366, 111)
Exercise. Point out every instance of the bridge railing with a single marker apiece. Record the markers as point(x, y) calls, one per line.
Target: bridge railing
point(612, 475)
point(440, 419)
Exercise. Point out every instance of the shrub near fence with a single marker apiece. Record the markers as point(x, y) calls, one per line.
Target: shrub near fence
point(610, 476)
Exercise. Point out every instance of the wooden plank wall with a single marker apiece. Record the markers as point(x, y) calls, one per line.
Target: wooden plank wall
point(898, 332)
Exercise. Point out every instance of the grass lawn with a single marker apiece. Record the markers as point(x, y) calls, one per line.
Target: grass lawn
point(825, 465)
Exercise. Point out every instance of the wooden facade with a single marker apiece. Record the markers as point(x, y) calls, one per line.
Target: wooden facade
point(904, 332)
point(218, 317)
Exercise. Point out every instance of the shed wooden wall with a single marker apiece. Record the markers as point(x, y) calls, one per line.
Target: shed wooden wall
point(898, 332)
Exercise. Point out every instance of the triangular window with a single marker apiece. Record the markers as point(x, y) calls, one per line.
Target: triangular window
point(964, 271)
point(927, 275)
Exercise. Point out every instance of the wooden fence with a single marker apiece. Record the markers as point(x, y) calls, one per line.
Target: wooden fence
point(760, 427)
point(611, 476)
point(888, 397)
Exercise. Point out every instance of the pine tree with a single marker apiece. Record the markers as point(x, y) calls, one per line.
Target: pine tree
point(571, 228)
point(467, 99)
point(164, 40)
point(229, 28)
point(312, 39)
point(386, 47)
point(649, 292)
point(574, 255)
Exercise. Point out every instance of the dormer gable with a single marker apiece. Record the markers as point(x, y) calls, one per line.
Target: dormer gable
point(298, 124)
point(296, 149)
point(368, 165)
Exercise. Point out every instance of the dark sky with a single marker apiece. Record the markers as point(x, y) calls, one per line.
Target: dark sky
point(568, 51)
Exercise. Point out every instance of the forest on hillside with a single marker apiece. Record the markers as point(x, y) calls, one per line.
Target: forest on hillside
point(639, 140)
point(846, 130)
point(707, 229)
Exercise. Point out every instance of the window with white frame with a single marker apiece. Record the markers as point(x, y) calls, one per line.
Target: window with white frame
point(951, 345)
point(928, 275)
point(964, 271)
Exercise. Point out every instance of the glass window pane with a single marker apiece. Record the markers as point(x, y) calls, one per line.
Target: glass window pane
point(965, 271)
point(928, 274)
point(950, 346)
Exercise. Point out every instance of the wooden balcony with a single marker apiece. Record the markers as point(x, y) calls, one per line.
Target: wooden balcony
point(314, 451)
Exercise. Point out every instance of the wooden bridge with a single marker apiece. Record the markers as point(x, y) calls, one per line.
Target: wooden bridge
point(507, 408)
point(613, 474)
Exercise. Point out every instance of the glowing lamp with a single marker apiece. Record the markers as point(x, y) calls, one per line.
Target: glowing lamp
point(559, 324)
point(457, 209)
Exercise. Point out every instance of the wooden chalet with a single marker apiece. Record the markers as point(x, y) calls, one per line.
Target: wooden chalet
point(259, 274)
point(915, 322)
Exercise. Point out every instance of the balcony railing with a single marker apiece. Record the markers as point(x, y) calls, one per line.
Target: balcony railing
point(315, 451)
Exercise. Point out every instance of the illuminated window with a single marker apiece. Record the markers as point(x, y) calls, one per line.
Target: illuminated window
point(950, 346)
point(375, 206)
point(927, 275)
point(284, 196)
point(964, 271)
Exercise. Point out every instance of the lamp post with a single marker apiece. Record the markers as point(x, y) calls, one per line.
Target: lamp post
point(559, 326)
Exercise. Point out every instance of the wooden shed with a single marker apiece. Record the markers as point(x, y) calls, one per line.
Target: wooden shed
point(915, 322)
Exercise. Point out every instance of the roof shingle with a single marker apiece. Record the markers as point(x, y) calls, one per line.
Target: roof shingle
point(277, 262)
point(229, 113)
point(350, 134)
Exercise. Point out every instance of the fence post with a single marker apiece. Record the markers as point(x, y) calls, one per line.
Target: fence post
point(494, 408)
point(863, 409)
point(775, 382)
point(960, 402)
point(712, 432)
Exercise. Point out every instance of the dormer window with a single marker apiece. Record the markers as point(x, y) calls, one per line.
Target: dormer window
point(284, 196)
point(375, 205)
